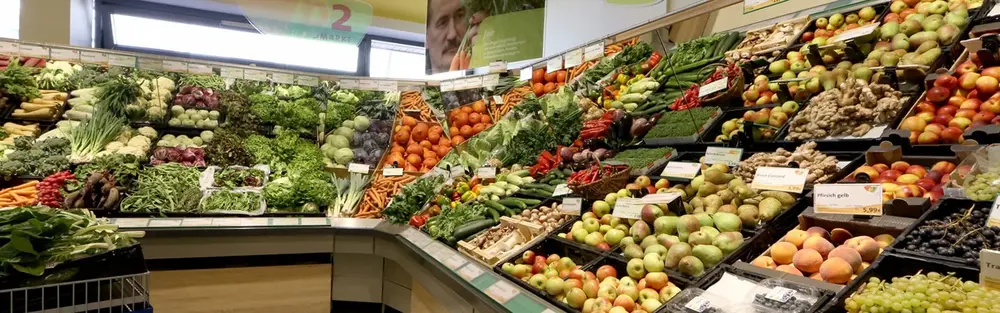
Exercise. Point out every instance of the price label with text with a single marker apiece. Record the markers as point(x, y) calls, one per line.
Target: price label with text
point(388, 85)
point(447, 86)
point(151, 64)
point(122, 60)
point(501, 291)
point(554, 64)
point(283, 78)
point(98, 58)
point(305, 80)
point(562, 189)
point(9, 48)
point(630, 208)
point(854, 33)
point(573, 58)
point(175, 66)
point(498, 67)
point(392, 171)
point(727, 156)
point(571, 206)
point(780, 294)
point(470, 272)
point(231, 72)
point(196, 68)
point(994, 219)
point(782, 179)
point(594, 51)
point(349, 84)
point(358, 168)
point(486, 172)
point(713, 87)
point(34, 51)
point(457, 171)
point(989, 268)
point(474, 82)
point(698, 304)
point(255, 75)
point(367, 84)
point(525, 74)
point(660, 198)
point(65, 55)
point(498, 99)
point(687, 170)
point(491, 80)
point(853, 199)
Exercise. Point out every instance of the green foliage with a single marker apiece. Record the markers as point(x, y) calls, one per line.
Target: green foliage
point(18, 80)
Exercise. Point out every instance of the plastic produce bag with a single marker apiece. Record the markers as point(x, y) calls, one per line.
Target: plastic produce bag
point(980, 174)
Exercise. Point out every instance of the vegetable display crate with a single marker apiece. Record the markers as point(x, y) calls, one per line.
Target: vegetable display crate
point(948, 207)
point(822, 296)
point(522, 234)
point(9, 114)
point(115, 294)
point(545, 248)
point(853, 143)
point(891, 265)
point(849, 160)
point(119, 262)
point(620, 269)
point(692, 138)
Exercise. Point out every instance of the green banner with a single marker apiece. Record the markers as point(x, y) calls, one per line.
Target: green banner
point(509, 37)
point(340, 21)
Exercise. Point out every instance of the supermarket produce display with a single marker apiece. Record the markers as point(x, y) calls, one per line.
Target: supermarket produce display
point(643, 179)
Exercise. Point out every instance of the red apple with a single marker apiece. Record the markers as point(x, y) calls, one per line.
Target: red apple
point(946, 81)
point(990, 106)
point(956, 101)
point(900, 166)
point(996, 120)
point(972, 104)
point(907, 12)
point(984, 116)
point(942, 118)
point(538, 268)
point(960, 122)
point(965, 68)
point(951, 135)
point(528, 257)
point(881, 167)
point(807, 36)
point(926, 116)
point(940, 94)
point(992, 71)
point(934, 176)
point(985, 85)
point(934, 196)
point(918, 170)
point(891, 174)
point(913, 123)
point(880, 179)
point(975, 94)
point(540, 259)
point(606, 271)
point(944, 167)
point(926, 183)
point(934, 128)
point(966, 113)
point(925, 106)
point(947, 109)
point(928, 138)
point(963, 92)
point(908, 191)
point(913, 137)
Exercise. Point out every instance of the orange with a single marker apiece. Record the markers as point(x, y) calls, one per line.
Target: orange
point(478, 128)
point(479, 106)
point(466, 109)
point(414, 159)
point(466, 131)
point(474, 118)
point(462, 119)
point(429, 163)
point(409, 121)
point(453, 130)
point(396, 148)
point(457, 139)
point(419, 132)
point(426, 145)
point(485, 119)
point(445, 142)
point(436, 129)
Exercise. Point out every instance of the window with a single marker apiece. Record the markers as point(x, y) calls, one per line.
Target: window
point(10, 18)
point(207, 41)
point(393, 60)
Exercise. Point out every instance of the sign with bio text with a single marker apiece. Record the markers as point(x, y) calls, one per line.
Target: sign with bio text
point(853, 199)
point(781, 179)
point(688, 170)
point(727, 156)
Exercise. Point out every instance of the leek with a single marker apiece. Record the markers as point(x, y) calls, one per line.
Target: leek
point(349, 192)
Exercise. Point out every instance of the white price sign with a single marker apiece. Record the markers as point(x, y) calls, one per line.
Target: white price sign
point(501, 291)
point(9, 48)
point(94, 57)
point(630, 208)
point(470, 272)
point(392, 171)
point(457, 171)
point(311, 81)
point(498, 67)
point(854, 33)
point(367, 84)
point(486, 172)
point(175, 66)
point(34, 51)
point(525, 74)
point(255, 75)
point(151, 64)
point(474, 82)
point(989, 268)
point(554, 64)
point(498, 99)
point(491, 80)
point(314, 221)
point(348, 84)
point(447, 86)
point(594, 51)
point(782, 179)
point(712, 87)
point(455, 261)
point(660, 198)
point(196, 68)
point(159, 222)
point(727, 156)
point(562, 189)
point(65, 55)
point(358, 168)
point(698, 304)
point(994, 219)
point(571, 206)
point(131, 222)
point(122, 60)
point(688, 170)
point(573, 58)
point(780, 294)
point(853, 199)
point(231, 72)
point(388, 85)
point(283, 78)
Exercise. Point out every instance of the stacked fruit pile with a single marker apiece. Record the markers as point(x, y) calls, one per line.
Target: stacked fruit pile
point(835, 256)
point(955, 104)
point(903, 180)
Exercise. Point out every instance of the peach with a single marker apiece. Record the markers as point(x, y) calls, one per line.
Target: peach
point(863, 266)
point(836, 271)
point(789, 269)
point(884, 240)
point(816, 276)
point(783, 252)
point(796, 237)
point(839, 235)
point(848, 254)
point(868, 249)
point(764, 261)
point(819, 244)
point(818, 231)
point(907, 179)
point(808, 260)
point(944, 167)
point(900, 166)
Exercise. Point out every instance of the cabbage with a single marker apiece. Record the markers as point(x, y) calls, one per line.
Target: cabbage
point(348, 124)
point(343, 156)
point(344, 131)
point(361, 123)
point(338, 141)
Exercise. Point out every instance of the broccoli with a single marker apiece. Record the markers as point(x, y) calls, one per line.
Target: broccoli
point(50, 164)
point(54, 146)
point(20, 156)
point(24, 143)
point(13, 168)
point(34, 155)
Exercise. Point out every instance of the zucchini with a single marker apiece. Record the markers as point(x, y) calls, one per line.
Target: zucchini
point(529, 202)
point(536, 193)
point(557, 182)
point(493, 214)
point(494, 205)
point(471, 228)
point(546, 187)
point(521, 173)
point(510, 202)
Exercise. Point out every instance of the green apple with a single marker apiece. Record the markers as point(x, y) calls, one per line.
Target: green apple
point(602, 208)
point(636, 268)
point(614, 236)
point(610, 199)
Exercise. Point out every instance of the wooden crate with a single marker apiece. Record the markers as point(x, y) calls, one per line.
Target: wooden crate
point(524, 234)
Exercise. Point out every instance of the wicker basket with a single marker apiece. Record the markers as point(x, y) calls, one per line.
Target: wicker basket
point(725, 99)
point(600, 188)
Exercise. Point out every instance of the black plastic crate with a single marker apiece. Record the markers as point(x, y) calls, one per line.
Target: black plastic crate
point(944, 208)
point(619, 266)
point(712, 277)
point(855, 159)
point(582, 258)
point(715, 129)
point(891, 265)
point(862, 143)
point(118, 262)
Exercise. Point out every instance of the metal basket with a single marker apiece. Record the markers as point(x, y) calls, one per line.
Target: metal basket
point(119, 294)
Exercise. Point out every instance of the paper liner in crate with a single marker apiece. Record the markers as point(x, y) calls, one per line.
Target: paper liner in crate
point(521, 234)
point(981, 176)
point(207, 179)
point(251, 209)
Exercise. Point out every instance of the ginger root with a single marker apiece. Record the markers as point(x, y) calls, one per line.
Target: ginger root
point(821, 166)
point(852, 109)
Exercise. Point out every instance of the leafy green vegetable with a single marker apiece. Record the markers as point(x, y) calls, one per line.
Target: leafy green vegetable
point(227, 200)
point(297, 166)
point(204, 81)
point(35, 238)
point(169, 187)
point(93, 76)
point(411, 199)
point(240, 118)
point(443, 225)
point(17, 80)
point(681, 123)
point(37, 158)
point(291, 92)
point(641, 158)
point(232, 177)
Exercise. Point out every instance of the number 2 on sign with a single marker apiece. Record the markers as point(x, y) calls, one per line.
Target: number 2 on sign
point(339, 23)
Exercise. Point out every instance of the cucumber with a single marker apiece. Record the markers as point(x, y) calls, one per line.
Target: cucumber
point(557, 182)
point(529, 202)
point(652, 110)
point(471, 228)
point(493, 214)
point(510, 202)
point(546, 187)
point(521, 173)
point(536, 193)
point(495, 205)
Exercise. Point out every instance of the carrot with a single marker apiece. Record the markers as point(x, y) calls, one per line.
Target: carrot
point(454, 61)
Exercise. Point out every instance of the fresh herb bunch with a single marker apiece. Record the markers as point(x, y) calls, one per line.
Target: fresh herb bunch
point(529, 144)
point(170, 187)
point(204, 81)
point(17, 80)
point(239, 177)
point(39, 237)
point(411, 199)
point(432, 95)
point(91, 136)
point(681, 123)
point(382, 108)
point(239, 116)
point(641, 158)
point(116, 94)
point(227, 200)
point(249, 87)
point(227, 148)
point(442, 226)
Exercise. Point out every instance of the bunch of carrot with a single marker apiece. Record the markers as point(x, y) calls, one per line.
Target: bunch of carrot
point(414, 100)
point(510, 99)
point(20, 195)
point(376, 198)
point(579, 69)
point(618, 46)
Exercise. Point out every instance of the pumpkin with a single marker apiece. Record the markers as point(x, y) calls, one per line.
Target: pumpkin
point(414, 149)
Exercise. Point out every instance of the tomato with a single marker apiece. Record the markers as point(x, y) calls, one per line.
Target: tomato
point(561, 76)
point(550, 77)
point(538, 75)
point(538, 89)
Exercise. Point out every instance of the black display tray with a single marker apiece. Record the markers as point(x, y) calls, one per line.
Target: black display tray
point(119, 262)
point(619, 266)
point(712, 277)
point(715, 129)
point(855, 158)
point(943, 208)
point(860, 143)
point(581, 257)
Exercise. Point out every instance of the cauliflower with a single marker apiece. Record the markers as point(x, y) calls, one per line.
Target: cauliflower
point(136, 151)
point(113, 146)
point(139, 142)
point(148, 132)
point(165, 83)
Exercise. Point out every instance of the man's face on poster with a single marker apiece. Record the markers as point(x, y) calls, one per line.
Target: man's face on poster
point(446, 26)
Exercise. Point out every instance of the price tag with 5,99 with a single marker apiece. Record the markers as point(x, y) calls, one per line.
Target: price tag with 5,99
point(853, 199)
point(781, 179)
